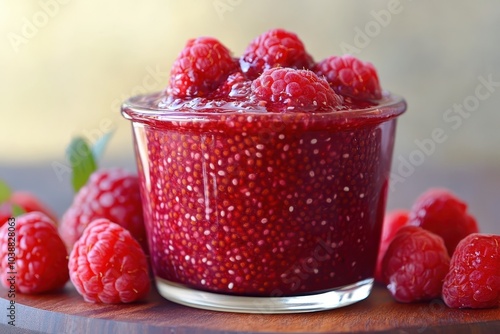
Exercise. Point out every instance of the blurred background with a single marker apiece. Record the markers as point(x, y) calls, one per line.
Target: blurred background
point(66, 66)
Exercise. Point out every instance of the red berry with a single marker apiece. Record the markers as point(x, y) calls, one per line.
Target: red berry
point(350, 76)
point(441, 212)
point(393, 221)
point(274, 48)
point(41, 259)
point(474, 277)
point(286, 89)
point(415, 265)
point(28, 202)
point(200, 68)
point(107, 265)
point(109, 193)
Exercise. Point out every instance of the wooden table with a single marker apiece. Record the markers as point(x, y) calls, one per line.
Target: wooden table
point(66, 312)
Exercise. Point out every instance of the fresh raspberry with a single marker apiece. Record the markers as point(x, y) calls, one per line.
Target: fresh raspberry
point(474, 277)
point(274, 48)
point(415, 265)
point(350, 76)
point(41, 259)
point(287, 89)
point(393, 221)
point(441, 212)
point(28, 202)
point(107, 265)
point(109, 193)
point(200, 68)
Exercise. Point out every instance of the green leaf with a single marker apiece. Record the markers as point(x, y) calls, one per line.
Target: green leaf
point(82, 161)
point(100, 145)
point(5, 191)
point(17, 210)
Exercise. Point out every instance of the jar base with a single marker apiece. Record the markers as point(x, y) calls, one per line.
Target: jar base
point(331, 299)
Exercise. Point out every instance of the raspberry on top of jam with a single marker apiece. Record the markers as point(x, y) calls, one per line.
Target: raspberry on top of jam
point(274, 74)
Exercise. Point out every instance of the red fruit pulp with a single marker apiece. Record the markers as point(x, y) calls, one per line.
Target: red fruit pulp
point(263, 204)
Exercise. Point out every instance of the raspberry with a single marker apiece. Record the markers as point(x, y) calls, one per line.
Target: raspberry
point(415, 265)
point(274, 48)
point(41, 259)
point(107, 265)
point(28, 202)
point(393, 221)
point(474, 277)
point(109, 193)
point(350, 76)
point(286, 89)
point(441, 212)
point(200, 68)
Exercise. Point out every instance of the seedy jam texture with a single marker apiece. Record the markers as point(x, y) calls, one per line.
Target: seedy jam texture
point(263, 204)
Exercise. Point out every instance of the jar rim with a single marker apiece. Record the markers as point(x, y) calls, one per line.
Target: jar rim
point(390, 106)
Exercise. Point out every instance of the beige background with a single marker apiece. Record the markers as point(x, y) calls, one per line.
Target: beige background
point(66, 65)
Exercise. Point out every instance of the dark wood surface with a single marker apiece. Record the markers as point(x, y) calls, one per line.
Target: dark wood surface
point(66, 312)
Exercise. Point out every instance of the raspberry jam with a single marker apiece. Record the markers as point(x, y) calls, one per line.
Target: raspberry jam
point(240, 202)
